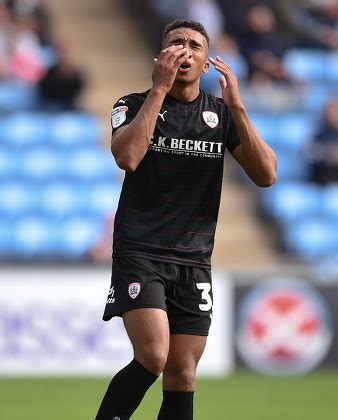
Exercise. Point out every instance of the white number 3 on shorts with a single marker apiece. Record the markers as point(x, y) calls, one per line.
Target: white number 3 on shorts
point(205, 287)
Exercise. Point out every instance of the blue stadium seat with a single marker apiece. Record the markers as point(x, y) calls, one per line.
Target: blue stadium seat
point(6, 237)
point(332, 67)
point(313, 98)
point(89, 164)
point(312, 238)
point(79, 235)
point(291, 167)
point(43, 163)
point(25, 129)
point(15, 96)
point(63, 199)
point(330, 201)
point(75, 129)
point(267, 127)
point(17, 198)
point(292, 201)
point(295, 131)
point(10, 162)
point(306, 65)
point(35, 237)
point(103, 198)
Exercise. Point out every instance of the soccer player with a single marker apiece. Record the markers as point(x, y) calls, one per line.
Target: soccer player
point(171, 142)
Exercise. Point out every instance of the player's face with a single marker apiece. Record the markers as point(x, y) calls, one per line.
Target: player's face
point(197, 46)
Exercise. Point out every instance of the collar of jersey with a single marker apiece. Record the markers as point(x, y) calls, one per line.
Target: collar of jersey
point(171, 99)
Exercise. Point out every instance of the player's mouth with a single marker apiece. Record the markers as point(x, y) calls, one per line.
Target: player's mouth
point(184, 67)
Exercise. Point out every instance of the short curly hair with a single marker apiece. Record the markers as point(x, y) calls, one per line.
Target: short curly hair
point(181, 23)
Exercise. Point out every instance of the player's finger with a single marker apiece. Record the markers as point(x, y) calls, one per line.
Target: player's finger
point(170, 49)
point(223, 82)
point(174, 56)
point(218, 62)
point(181, 59)
point(220, 69)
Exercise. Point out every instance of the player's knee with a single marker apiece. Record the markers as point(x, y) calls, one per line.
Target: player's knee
point(182, 378)
point(153, 359)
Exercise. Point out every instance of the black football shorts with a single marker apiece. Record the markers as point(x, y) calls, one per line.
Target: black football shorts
point(184, 292)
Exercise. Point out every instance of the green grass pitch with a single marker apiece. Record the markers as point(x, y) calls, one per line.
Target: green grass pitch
point(242, 396)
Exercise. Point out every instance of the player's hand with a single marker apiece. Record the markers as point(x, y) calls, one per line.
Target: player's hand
point(166, 66)
point(228, 82)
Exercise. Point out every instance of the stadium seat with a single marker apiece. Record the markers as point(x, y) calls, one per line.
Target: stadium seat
point(79, 235)
point(92, 164)
point(330, 201)
point(15, 96)
point(43, 163)
point(312, 238)
point(25, 129)
point(63, 199)
point(313, 99)
point(306, 65)
point(17, 198)
point(295, 131)
point(6, 237)
point(35, 237)
point(267, 127)
point(75, 129)
point(103, 198)
point(10, 162)
point(291, 167)
point(292, 201)
point(332, 68)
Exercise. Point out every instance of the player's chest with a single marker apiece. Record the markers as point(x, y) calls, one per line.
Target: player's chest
point(188, 133)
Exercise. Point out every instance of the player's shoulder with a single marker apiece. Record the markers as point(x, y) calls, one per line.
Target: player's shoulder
point(135, 98)
point(211, 99)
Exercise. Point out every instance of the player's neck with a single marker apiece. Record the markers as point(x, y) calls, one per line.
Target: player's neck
point(185, 93)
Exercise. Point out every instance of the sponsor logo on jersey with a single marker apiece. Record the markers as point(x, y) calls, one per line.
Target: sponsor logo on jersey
point(118, 116)
point(162, 115)
point(111, 293)
point(134, 290)
point(210, 118)
point(284, 328)
point(186, 147)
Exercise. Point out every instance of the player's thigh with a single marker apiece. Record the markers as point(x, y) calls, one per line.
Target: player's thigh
point(148, 331)
point(185, 351)
point(135, 283)
point(189, 302)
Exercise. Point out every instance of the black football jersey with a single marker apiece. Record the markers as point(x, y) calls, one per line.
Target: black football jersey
point(169, 205)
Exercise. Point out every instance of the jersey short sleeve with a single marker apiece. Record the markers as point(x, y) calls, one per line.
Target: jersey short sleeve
point(232, 138)
point(125, 110)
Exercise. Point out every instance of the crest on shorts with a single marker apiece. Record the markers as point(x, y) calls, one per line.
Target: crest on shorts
point(134, 290)
point(118, 116)
point(210, 118)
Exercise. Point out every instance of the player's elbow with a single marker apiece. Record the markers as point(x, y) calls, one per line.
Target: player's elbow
point(126, 163)
point(267, 180)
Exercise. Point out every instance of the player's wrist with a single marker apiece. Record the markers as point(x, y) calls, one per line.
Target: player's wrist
point(236, 105)
point(159, 90)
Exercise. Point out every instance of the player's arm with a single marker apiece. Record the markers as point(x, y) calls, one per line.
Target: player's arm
point(253, 154)
point(130, 142)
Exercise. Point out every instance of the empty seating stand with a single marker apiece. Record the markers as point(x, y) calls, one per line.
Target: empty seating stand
point(58, 185)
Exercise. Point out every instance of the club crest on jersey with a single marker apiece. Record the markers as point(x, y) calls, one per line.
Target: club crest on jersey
point(118, 116)
point(210, 118)
point(134, 290)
